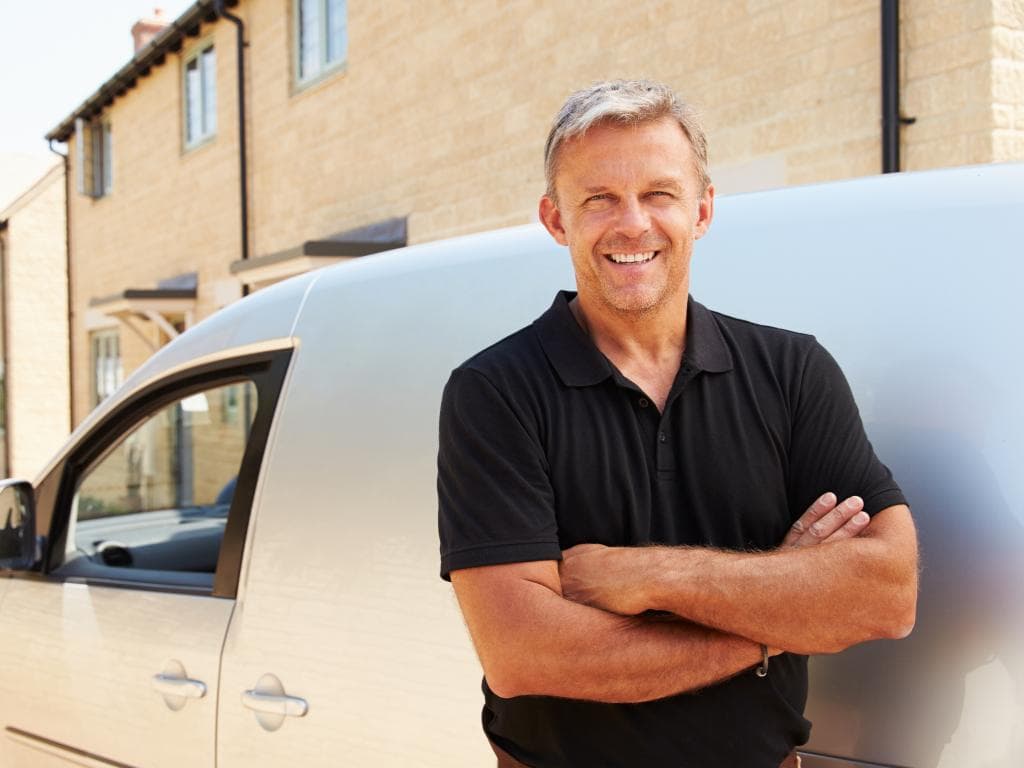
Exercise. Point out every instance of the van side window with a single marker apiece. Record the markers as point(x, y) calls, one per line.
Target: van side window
point(158, 499)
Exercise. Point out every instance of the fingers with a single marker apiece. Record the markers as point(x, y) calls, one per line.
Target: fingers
point(822, 506)
point(831, 526)
point(825, 520)
point(856, 521)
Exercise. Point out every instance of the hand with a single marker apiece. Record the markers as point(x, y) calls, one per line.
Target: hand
point(827, 521)
point(602, 577)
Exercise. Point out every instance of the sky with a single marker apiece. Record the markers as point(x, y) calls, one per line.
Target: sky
point(53, 55)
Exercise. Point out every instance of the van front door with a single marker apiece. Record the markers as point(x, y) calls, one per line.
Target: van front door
point(112, 657)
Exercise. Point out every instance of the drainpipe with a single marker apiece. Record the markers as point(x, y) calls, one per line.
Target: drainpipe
point(223, 12)
point(891, 119)
point(5, 335)
point(67, 269)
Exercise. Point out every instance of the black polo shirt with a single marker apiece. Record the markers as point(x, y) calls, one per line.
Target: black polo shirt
point(544, 444)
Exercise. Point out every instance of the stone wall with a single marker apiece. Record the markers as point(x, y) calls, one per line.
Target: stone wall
point(35, 306)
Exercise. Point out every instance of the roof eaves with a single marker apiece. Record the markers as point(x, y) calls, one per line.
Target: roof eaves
point(153, 54)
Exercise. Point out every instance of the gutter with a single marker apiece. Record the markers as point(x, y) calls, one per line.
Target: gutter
point(5, 415)
point(891, 118)
point(67, 271)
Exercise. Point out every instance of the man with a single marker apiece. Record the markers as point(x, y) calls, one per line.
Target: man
point(629, 415)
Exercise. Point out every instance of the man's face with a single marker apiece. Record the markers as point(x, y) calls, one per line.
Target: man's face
point(629, 206)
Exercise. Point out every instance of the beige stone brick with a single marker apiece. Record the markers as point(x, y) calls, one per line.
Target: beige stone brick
point(948, 54)
point(944, 152)
point(979, 148)
point(1008, 82)
point(1008, 13)
point(805, 16)
point(1007, 43)
point(840, 9)
point(1007, 146)
point(1003, 116)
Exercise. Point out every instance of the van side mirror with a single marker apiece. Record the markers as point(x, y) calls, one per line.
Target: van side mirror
point(17, 525)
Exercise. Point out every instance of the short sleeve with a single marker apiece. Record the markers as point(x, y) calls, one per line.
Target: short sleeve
point(829, 450)
point(495, 501)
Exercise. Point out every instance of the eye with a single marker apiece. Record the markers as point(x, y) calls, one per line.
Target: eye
point(602, 196)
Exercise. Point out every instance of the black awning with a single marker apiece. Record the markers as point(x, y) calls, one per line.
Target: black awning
point(179, 287)
point(380, 236)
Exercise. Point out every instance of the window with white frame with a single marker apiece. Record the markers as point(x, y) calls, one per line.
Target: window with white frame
point(321, 36)
point(107, 370)
point(94, 156)
point(200, 95)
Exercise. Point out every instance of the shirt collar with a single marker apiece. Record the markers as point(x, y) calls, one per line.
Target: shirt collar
point(579, 363)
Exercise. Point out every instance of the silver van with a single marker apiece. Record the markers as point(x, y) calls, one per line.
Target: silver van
point(233, 561)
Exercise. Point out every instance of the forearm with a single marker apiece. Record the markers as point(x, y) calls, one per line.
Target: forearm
point(801, 598)
point(814, 600)
point(543, 644)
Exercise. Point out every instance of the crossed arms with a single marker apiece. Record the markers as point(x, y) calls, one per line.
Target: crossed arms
point(576, 630)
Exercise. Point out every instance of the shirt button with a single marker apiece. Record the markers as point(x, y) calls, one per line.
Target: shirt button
point(643, 402)
point(662, 437)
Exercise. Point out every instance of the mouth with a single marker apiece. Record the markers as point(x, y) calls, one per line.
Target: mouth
point(641, 257)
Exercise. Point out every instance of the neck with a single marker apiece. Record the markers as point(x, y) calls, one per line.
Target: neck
point(648, 339)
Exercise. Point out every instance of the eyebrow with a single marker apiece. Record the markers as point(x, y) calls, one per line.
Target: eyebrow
point(667, 182)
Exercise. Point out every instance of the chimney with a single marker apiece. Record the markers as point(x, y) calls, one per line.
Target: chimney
point(146, 29)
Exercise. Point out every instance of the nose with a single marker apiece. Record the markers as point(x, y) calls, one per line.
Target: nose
point(633, 220)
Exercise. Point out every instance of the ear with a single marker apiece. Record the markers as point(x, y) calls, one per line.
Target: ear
point(705, 212)
point(551, 217)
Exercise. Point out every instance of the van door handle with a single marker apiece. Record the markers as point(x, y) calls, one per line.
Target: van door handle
point(176, 686)
point(179, 686)
point(271, 704)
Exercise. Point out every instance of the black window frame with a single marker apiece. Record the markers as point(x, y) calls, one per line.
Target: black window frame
point(55, 494)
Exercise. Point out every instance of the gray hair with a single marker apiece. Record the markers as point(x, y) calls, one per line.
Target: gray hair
point(623, 102)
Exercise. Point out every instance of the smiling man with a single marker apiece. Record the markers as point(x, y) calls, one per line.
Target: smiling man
point(639, 497)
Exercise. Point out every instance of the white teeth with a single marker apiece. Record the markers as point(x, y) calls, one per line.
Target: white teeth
point(629, 258)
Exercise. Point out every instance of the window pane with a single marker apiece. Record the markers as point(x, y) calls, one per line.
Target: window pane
point(160, 498)
point(97, 158)
point(107, 370)
point(309, 37)
point(209, 92)
point(81, 142)
point(108, 160)
point(337, 31)
point(193, 102)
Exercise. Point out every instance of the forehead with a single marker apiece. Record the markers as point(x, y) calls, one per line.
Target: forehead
point(609, 154)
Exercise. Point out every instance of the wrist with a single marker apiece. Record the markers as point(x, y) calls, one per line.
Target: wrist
point(664, 576)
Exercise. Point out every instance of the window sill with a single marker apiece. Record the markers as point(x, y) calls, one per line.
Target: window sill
point(327, 73)
point(205, 141)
